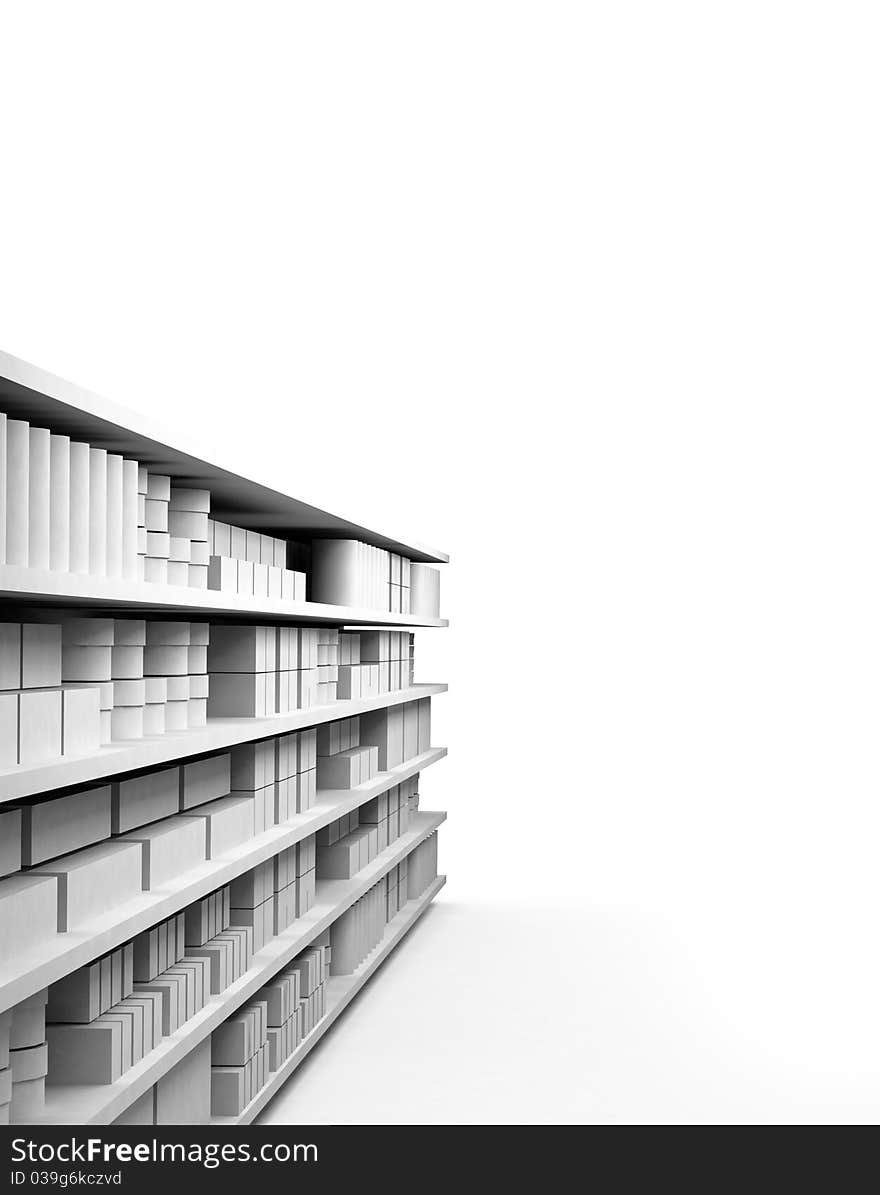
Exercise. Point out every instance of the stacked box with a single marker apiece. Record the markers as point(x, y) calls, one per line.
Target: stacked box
point(142, 485)
point(286, 764)
point(242, 665)
point(86, 661)
point(27, 1059)
point(390, 650)
point(306, 874)
point(253, 774)
point(307, 668)
point(385, 729)
point(282, 998)
point(398, 584)
point(343, 762)
point(127, 676)
point(307, 770)
point(102, 1020)
point(343, 852)
point(158, 538)
point(313, 969)
point(239, 1059)
point(144, 798)
point(349, 667)
point(396, 882)
point(287, 664)
point(42, 719)
point(252, 898)
point(251, 563)
point(328, 664)
point(166, 669)
point(388, 813)
point(197, 668)
point(284, 888)
point(188, 523)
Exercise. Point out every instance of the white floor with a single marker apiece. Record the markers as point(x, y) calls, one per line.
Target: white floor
point(489, 1015)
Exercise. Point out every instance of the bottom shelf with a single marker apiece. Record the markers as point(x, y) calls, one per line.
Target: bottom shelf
point(341, 990)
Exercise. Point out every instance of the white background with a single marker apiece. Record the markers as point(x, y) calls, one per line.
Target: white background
point(587, 295)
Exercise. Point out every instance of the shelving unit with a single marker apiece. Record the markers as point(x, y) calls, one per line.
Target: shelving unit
point(219, 734)
point(44, 401)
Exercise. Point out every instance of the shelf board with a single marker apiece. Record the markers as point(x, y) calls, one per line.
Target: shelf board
point(341, 990)
point(31, 972)
point(28, 392)
point(76, 1104)
point(219, 734)
point(32, 586)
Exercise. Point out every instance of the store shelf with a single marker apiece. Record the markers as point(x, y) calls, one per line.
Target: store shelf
point(218, 735)
point(27, 392)
point(76, 1104)
point(49, 961)
point(341, 990)
point(31, 586)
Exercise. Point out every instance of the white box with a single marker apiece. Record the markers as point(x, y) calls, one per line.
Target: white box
point(98, 512)
point(155, 515)
point(40, 655)
point(178, 573)
point(166, 660)
point(127, 663)
point(228, 823)
point(92, 880)
point(204, 780)
point(158, 544)
point(114, 515)
point(28, 913)
point(155, 570)
point(39, 726)
point(88, 1054)
point(140, 800)
point(223, 574)
point(65, 824)
point(59, 503)
point(80, 663)
point(197, 576)
point(126, 722)
point(170, 848)
point(17, 491)
point(191, 500)
point(159, 486)
point(246, 577)
point(129, 519)
point(10, 655)
point(10, 844)
point(190, 524)
point(168, 634)
point(155, 721)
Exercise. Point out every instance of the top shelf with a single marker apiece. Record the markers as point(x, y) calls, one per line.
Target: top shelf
point(27, 392)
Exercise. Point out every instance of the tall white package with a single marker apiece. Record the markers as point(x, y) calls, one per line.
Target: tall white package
point(17, 460)
point(98, 512)
point(114, 515)
point(59, 504)
point(130, 520)
point(80, 470)
point(39, 444)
